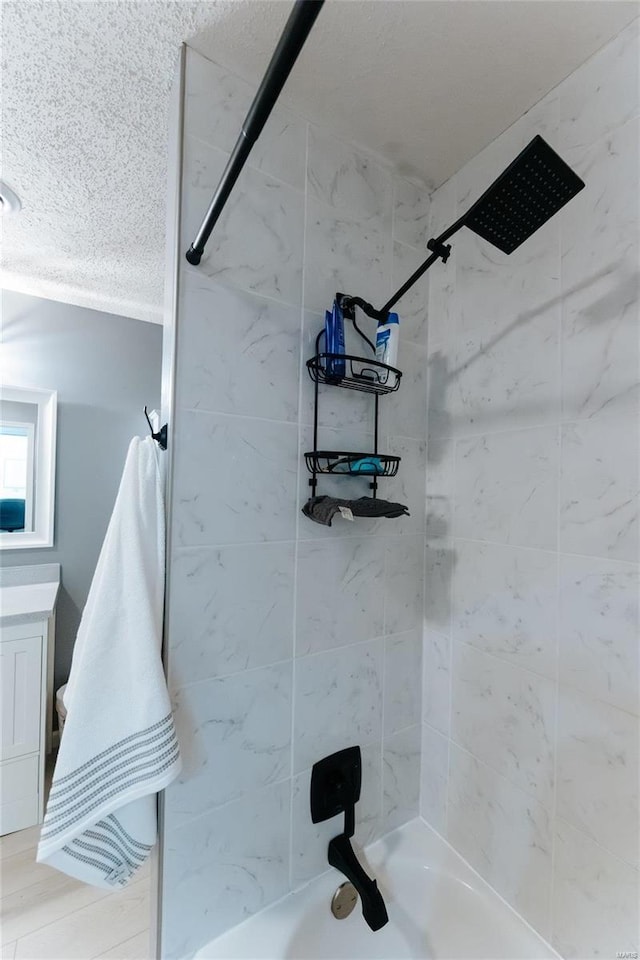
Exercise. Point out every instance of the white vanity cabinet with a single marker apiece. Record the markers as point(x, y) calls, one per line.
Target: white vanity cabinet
point(26, 694)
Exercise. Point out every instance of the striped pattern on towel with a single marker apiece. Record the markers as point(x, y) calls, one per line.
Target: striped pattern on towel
point(109, 848)
point(135, 759)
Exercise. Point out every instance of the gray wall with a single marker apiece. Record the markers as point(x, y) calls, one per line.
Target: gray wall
point(105, 368)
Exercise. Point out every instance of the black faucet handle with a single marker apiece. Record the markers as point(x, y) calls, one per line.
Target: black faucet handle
point(335, 787)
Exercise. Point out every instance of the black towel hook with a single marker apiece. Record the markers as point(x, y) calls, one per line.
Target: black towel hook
point(161, 436)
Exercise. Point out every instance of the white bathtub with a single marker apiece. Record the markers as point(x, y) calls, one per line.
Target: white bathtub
point(438, 908)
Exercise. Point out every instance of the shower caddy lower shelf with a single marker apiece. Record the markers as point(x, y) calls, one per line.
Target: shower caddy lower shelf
point(366, 376)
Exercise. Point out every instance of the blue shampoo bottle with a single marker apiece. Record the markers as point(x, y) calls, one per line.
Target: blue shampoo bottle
point(334, 341)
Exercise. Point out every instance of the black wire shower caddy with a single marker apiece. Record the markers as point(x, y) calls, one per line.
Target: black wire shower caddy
point(527, 193)
point(365, 375)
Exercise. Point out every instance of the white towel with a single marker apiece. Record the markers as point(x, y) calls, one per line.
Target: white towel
point(119, 746)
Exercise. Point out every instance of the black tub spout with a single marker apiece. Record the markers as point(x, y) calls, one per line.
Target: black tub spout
point(335, 788)
point(342, 857)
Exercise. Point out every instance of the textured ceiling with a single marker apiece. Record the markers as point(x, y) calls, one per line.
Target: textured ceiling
point(85, 95)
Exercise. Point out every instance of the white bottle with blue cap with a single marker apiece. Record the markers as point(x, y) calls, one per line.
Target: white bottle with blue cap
point(387, 339)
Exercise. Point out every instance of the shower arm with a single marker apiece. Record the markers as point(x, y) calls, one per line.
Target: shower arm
point(532, 189)
point(296, 30)
point(440, 250)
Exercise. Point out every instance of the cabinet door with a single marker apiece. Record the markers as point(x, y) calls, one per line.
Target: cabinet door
point(21, 692)
point(20, 796)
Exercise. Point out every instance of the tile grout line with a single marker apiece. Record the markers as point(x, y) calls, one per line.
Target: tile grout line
point(548, 424)
point(426, 536)
point(385, 565)
point(373, 535)
point(520, 546)
point(294, 671)
point(425, 489)
point(554, 808)
point(193, 548)
point(249, 165)
point(542, 676)
point(236, 286)
point(451, 598)
point(632, 865)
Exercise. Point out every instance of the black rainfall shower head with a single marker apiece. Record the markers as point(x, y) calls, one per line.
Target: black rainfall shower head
point(535, 186)
point(532, 188)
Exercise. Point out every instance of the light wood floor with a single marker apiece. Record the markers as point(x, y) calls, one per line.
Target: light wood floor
point(45, 915)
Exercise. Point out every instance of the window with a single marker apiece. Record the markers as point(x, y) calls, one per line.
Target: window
point(16, 476)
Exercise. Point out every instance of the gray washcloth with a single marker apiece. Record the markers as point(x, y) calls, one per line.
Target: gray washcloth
point(323, 509)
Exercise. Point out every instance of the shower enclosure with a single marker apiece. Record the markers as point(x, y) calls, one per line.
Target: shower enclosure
point(482, 652)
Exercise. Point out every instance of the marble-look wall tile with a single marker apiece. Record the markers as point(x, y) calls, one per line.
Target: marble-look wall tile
point(439, 566)
point(442, 389)
point(347, 179)
point(412, 307)
point(599, 629)
point(231, 609)
point(407, 487)
point(436, 681)
point(411, 213)
point(599, 488)
point(505, 602)
point(440, 488)
point(600, 225)
point(505, 717)
point(258, 240)
point(403, 584)
point(404, 414)
point(602, 94)
point(503, 834)
point(343, 254)
point(203, 166)
point(222, 867)
point(434, 764)
point(280, 148)
point(542, 118)
point(216, 104)
point(235, 479)
point(262, 337)
point(402, 681)
point(443, 208)
point(506, 488)
point(340, 593)
point(533, 411)
point(310, 840)
point(495, 290)
point(598, 772)
point(600, 343)
point(595, 899)
point(401, 777)
point(235, 736)
point(506, 382)
point(442, 276)
point(442, 321)
point(338, 701)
